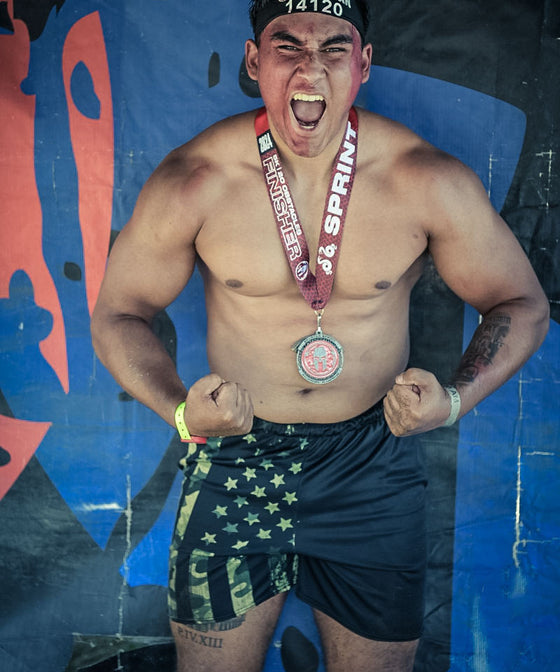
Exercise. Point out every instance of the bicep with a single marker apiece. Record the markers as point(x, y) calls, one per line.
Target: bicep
point(143, 275)
point(475, 252)
point(152, 259)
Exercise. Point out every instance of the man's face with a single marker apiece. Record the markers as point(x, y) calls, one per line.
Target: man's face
point(309, 68)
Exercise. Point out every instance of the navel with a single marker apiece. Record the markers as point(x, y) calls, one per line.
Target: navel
point(305, 391)
point(234, 284)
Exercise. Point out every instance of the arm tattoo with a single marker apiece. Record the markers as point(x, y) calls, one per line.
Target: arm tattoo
point(487, 340)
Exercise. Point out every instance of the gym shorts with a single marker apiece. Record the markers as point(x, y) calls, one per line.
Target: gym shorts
point(335, 511)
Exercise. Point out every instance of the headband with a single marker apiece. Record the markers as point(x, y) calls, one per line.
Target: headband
point(343, 9)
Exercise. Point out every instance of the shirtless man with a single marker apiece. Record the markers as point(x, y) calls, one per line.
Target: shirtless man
point(303, 484)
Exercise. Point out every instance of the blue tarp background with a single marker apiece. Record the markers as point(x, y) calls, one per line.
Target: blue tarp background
point(88, 477)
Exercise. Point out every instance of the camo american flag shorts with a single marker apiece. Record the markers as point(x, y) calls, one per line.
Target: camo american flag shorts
point(303, 505)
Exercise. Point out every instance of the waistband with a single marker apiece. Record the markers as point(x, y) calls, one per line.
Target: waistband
point(372, 416)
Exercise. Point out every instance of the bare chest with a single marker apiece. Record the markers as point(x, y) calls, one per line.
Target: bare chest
point(240, 242)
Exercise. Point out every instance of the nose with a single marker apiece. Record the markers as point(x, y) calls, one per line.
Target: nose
point(310, 66)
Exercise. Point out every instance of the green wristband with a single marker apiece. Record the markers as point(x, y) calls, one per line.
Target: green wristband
point(182, 429)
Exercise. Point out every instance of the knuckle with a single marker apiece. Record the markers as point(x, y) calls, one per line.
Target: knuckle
point(228, 417)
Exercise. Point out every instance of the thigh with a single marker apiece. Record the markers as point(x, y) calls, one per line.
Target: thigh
point(345, 650)
point(383, 605)
point(237, 645)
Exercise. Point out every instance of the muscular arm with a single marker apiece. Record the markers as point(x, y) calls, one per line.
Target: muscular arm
point(481, 261)
point(151, 262)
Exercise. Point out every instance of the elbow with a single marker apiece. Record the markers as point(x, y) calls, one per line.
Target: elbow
point(542, 318)
point(98, 329)
point(537, 310)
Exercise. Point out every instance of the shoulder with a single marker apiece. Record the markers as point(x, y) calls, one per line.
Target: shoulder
point(208, 157)
point(432, 180)
point(390, 141)
point(197, 173)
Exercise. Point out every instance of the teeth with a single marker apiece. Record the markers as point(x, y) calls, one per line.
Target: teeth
point(308, 98)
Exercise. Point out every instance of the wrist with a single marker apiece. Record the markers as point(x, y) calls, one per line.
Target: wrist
point(182, 429)
point(455, 399)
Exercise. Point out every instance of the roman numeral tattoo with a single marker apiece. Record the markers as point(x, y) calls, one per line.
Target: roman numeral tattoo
point(486, 342)
point(194, 632)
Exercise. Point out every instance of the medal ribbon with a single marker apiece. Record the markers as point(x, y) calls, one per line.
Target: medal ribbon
point(316, 289)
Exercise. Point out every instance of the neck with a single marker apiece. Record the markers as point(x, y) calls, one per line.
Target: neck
point(308, 166)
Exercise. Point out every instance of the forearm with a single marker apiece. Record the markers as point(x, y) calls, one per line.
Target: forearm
point(505, 339)
point(138, 361)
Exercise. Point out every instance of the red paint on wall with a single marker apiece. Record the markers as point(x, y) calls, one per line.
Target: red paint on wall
point(21, 224)
point(21, 439)
point(21, 219)
point(93, 146)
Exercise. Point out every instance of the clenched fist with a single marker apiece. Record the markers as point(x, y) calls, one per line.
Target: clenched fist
point(218, 408)
point(416, 403)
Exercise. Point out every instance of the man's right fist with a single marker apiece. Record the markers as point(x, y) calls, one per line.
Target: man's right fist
point(218, 408)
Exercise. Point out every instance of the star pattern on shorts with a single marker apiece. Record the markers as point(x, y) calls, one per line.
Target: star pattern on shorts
point(254, 496)
point(220, 511)
point(290, 497)
point(272, 508)
point(284, 524)
point(278, 480)
point(252, 518)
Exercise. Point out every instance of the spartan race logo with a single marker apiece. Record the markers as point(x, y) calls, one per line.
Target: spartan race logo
point(265, 142)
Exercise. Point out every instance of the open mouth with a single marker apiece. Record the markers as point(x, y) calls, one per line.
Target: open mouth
point(308, 109)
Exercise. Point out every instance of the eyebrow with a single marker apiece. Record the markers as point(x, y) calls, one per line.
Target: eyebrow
point(285, 36)
point(338, 39)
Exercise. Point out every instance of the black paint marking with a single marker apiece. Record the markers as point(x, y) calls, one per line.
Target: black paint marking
point(298, 653)
point(5, 457)
point(214, 70)
point(72, 271)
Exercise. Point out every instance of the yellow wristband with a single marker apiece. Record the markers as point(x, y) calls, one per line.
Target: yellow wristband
point(182, 429)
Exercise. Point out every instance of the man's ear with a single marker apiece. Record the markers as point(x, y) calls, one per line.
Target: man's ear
point(367, 56)
point(252, 59)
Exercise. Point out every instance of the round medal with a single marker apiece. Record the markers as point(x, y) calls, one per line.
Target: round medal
point(319, 358)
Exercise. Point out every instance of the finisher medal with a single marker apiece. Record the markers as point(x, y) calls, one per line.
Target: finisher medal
point(319, 357)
